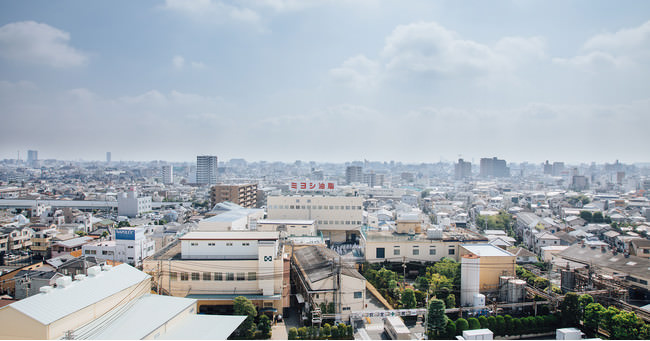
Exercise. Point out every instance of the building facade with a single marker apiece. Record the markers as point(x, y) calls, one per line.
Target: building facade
point(206, 170)
point(130, 246)
point(167, 174)
point(244, 195)
point(131, 205)
point(462, 170)
point(494, 168)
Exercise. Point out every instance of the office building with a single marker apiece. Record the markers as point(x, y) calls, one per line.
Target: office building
point(353, 174)
point(129, 204)
point(244, 195)
point(338, 218)
point(206, 170)
point(167, 174)
point(108, 157)
point(462, 170)
point(130, 246)
point(494, 168)
point(32, 157)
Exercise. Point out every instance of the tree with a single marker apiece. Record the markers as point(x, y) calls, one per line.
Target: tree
point(461, 324)
point(509, 325)
point(450, 330)
point(606, 317)
point(539, 323)
point(436, 319)
point(293, 333)
point(408, 299)
point(327, 329)
point(570, 310)
point(473, 323)
point(625, 326)
point(483, 321)
point(501, 325)
point(264, 326)
point(597, 217)
point(422, 283)
point(584, 300)
point(450, 301)
point(592, 315)
point(586, 215)
point(492, 323)
point(517, 326)
point(335, 332)
point(302, 332)
point(243, 306)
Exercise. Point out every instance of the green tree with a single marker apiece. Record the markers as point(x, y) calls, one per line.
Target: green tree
point(591, 319)
point(446, 267)
point(244, 307)
point(509, 329)
point(517, 328)
point(422, 283)
point(461, 325)
point(586, 215)
point(473, 323)
point(436, 319)
point(335, 332)
point(350, 331)
point(450, 301)
point(327, 329)
point(584, 300)
point(450, 330)
point(501, 325)
point(264, 326)
point(483, 321)
point(597, 217)
point(302, 332)
point(606, 317)
point(492, 323)
point(408, 299)
point(293, 333)
point(570, 310)
point(625, 326)
point(539, 323)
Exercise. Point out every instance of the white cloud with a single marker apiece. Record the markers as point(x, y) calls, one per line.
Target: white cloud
point(39, 43)
point(427, 48)
point(213, 9)
point(180, 63)
point(625, 39)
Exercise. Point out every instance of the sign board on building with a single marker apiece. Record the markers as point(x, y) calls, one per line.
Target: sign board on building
point(305, 186)
point(124, 234)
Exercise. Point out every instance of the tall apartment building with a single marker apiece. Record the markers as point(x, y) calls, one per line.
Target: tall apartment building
point(338, 218)
point(32, 157)
point(373, 179)
point(494, 168)
point(244, 195)
point(353, 174)
point(108, 157)
point(463, 170)
point(206, 170)
point(167, 174)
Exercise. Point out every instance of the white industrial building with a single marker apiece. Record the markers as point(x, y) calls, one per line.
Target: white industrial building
point(129, 204)
point(130, 246)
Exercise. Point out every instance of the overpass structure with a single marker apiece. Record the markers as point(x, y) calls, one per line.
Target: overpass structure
point(79, 204)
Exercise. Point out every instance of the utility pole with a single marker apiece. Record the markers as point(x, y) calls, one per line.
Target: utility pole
point(404, 269)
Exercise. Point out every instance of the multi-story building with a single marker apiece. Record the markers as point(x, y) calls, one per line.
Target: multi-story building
point(32, 157)
point(130, 246)
point(167, 174)
point(338, 218)
point(494, 168)
point(462, 170)
point(108, 157)
point(244, 195)
point(216, 267)
point(206, 170)
point(353, 174)
point(294, 228)
point(19, 238)
point(482, 266)
point(42, 242)
point(129, 204)
point(380, 246)
point(67, 246)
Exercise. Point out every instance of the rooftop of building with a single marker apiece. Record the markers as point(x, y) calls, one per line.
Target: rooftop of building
point(74, 242)
point(286, 221)
point(486, 250)
point(452, 235)
point(601, 257)
point(231, 235)
point(318, 263)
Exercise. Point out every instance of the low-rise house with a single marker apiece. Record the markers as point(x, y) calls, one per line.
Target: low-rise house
point(640, 247)
point(523, 256)
point(543, 239)
point(566, 238)
point(29, 282)
point(67, 246)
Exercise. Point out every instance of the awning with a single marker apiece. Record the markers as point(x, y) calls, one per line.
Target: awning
point(263, 310)
point(300, 299)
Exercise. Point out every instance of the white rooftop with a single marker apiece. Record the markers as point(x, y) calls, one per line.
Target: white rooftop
point(204, 327)
point(286, 221)
point(486, 250)
point(60, 302)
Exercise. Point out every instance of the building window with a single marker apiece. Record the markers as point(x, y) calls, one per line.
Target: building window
point(416, 251)
point(241, 276)
point(245, 244)
point(432, 250)
point(207, 276)
point(646, 251)
point(396, 251)
point(228, 244)
point(252, 276)
point(194, 244)
point(230, 276)
point(218, 276)
point(173, 276)
point(358, 294)
point(345, 308)
point(452, 251)
point(185, 276)
point(211, 244)
point(381, 252)
point(195, 276)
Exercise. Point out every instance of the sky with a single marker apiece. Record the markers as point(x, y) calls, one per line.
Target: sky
point(326, 81)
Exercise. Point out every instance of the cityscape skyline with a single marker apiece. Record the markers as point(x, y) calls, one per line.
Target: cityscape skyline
point(277, 80)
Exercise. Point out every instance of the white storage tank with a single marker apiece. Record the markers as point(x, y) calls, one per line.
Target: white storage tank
point(516, 290)
point(478, 334)
point(469, 279)
point(568, 334)
point(435, 233)
point(479, 300)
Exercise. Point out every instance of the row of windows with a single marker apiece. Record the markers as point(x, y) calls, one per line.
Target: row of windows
point(415, 251)
point(339, 222)
point(315, 207)
point(213, 276)
point(214, 244)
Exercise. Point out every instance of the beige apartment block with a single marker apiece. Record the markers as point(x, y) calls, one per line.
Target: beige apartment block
point(338, 218)
point(494, 262)
point(390, 246)
point(244, 195)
